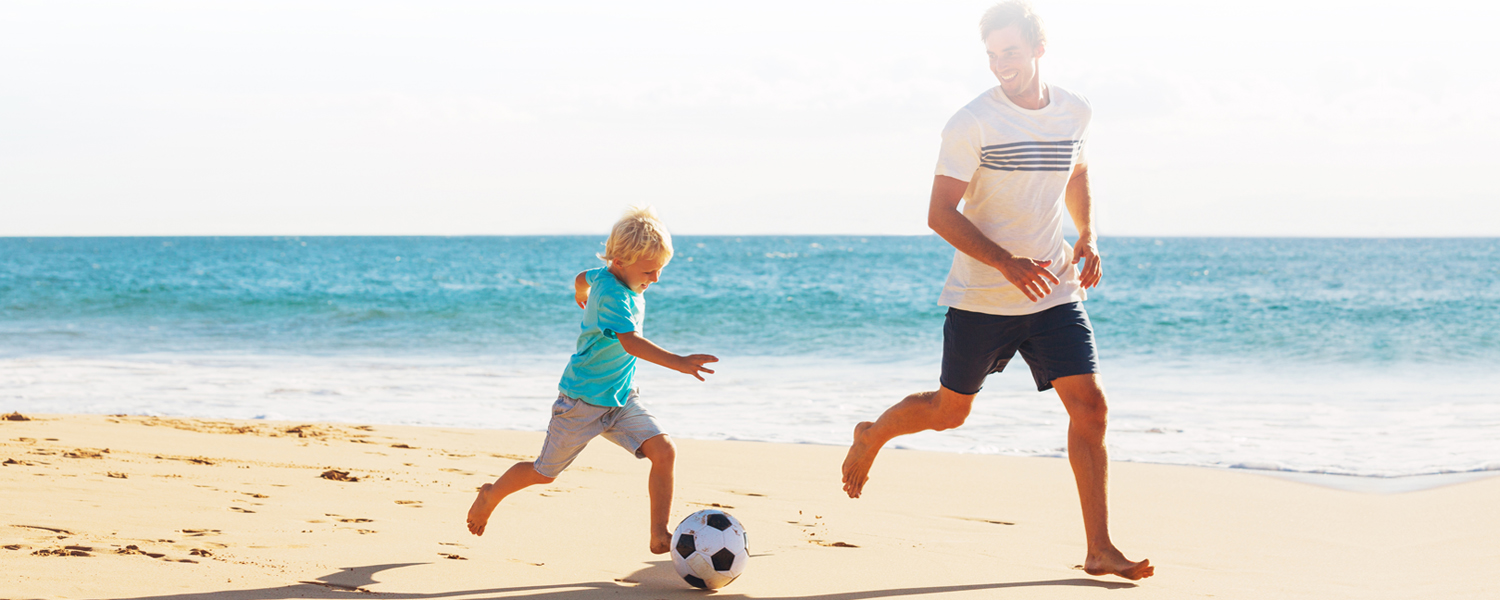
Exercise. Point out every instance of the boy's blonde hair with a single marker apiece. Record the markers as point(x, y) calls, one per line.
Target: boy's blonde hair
point(639, 234)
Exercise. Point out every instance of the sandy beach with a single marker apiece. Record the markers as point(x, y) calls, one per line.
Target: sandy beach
point(143, 507)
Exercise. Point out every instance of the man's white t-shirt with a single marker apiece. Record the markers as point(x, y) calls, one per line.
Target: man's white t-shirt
point(1017, 162)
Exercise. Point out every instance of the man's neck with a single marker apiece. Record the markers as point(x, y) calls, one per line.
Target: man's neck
point(1032, 98)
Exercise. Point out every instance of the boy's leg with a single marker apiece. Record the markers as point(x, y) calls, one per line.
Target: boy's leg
point(663, 455)
point(1087, 418)
point(518, 477)
point(574, 422)
point(943, 409)
point(635, 430)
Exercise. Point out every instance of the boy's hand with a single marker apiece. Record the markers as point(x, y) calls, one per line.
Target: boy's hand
point(692, 364)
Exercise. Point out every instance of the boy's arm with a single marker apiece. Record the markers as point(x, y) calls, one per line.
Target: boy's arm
point(647, 350)
point(581, 289)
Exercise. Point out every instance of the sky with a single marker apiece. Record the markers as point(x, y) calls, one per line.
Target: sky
point(507, 118)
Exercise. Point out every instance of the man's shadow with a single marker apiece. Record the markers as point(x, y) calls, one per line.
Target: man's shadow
point(658, 580)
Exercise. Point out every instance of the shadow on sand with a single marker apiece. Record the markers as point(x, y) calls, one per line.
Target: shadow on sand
point(653, 582)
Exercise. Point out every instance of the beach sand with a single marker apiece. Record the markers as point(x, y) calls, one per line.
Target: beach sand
point(141, 507)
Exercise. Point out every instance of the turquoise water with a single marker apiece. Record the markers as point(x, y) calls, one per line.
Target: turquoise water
point(1227, 352)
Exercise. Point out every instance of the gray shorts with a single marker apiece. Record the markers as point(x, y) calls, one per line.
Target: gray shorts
point(575, 422)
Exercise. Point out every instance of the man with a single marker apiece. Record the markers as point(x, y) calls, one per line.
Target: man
point(1015, 157)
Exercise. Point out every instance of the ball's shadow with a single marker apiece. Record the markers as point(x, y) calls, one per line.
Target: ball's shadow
point(659, 575)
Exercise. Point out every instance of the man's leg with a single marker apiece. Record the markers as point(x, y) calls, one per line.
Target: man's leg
point(1083, 397)
point(943, 409)
point(663, 456)
point(520, 476)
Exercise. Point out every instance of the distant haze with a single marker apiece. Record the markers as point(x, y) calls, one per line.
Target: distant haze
point(342, 117)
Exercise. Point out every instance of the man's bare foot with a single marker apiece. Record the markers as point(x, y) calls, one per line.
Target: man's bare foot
point(479, 512)
point(1113, 562)
point(857, 463)
point(661, 541)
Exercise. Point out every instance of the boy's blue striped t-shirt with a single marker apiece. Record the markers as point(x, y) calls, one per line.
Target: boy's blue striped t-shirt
point(601, 372)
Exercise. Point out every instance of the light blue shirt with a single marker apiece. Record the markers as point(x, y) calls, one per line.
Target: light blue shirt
point(601, 372)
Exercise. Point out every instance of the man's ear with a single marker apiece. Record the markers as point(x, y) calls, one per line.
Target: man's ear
point(1040, 50)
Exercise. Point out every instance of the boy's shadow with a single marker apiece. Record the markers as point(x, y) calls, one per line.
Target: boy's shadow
point(655, 581)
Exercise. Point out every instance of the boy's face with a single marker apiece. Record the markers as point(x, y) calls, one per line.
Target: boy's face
point(1013, 60)
point(640, 274)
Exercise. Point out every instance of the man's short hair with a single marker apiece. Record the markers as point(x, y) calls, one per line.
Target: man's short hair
point(639, 234)
point(1013, 12)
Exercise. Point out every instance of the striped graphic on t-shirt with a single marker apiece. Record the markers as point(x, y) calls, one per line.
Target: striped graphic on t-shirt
point(1029, 156)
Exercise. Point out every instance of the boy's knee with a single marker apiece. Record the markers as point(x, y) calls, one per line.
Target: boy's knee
point(537, 477)
point(660, 449)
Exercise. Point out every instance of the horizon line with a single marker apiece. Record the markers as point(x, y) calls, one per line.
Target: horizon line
point(1069, 234)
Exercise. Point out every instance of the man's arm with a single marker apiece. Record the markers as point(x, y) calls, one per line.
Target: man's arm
point(1081, 207)
point(944, 218)
point(647, 350)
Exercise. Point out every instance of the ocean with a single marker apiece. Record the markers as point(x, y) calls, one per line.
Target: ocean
point(1367, 357)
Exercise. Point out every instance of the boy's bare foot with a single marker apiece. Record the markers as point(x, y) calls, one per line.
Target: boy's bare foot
point(479, 512)
point(661, 542)
point(857, 463)
point(1112, 562)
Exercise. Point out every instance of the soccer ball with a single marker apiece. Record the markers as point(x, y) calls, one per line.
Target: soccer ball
point(709, 549)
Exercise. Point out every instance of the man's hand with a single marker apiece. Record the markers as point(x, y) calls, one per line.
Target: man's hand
point(1030, 275)
point(1088, 251)
point(692, 364)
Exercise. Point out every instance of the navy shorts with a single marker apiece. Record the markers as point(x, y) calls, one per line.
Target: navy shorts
point(1056, 342)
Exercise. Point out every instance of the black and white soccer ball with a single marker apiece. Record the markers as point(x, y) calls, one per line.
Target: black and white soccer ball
point(708, 549)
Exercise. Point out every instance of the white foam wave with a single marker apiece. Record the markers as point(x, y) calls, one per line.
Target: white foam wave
point(1382, 425)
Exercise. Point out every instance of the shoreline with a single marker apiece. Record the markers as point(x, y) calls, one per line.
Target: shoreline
point(173, 508)
point(1375, 484)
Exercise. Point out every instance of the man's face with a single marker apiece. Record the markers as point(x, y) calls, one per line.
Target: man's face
point(1013, 60)
point(640, 274)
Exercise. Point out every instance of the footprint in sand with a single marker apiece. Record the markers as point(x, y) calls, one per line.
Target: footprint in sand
point(751, 494)
point(51, 529)
point(411, 503)
point(68, 551)
point(243, 510)
point(337, 475)
point(711, 505)
point(978, 520)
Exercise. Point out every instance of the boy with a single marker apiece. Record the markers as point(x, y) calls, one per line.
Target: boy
point(596, 395)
